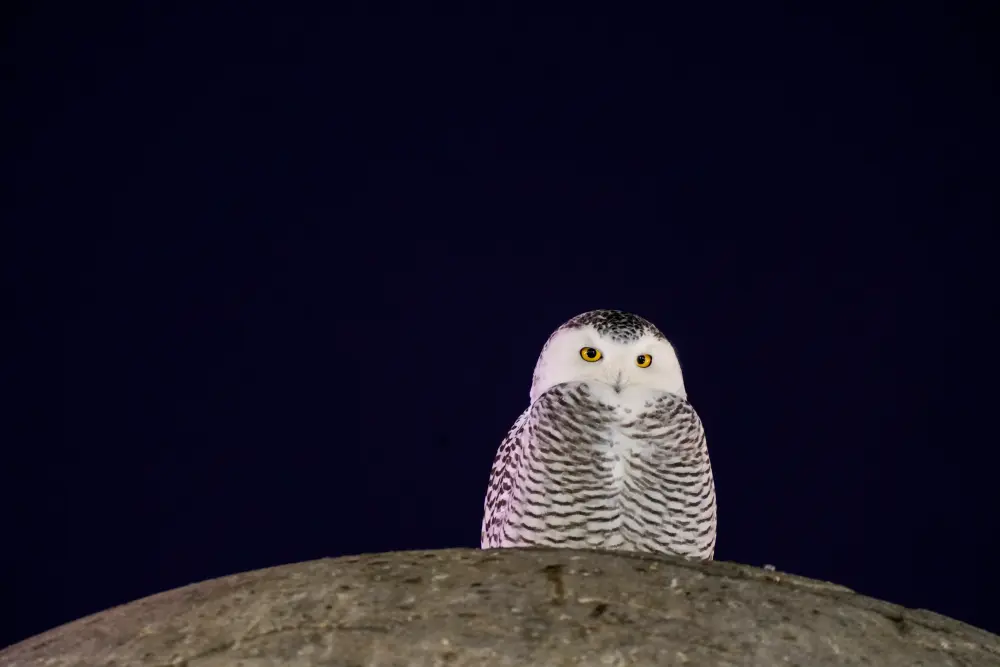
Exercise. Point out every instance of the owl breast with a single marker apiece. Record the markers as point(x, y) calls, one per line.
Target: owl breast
point(595, 468)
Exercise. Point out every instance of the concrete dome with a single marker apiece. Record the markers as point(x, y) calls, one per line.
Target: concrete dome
point(510, 607)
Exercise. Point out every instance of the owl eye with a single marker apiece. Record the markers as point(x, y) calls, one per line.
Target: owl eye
point(590, 354)
point(644, 360)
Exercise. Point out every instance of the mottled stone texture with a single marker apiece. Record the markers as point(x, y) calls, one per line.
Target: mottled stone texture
point(510, 607)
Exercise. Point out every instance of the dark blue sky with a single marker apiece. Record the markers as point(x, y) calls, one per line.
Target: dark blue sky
point(280, 279)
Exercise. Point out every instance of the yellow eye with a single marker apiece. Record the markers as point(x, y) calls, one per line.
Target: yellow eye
point(644, 360)
point(590, 354)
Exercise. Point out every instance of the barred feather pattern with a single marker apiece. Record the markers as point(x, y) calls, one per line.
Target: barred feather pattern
point(587, 467)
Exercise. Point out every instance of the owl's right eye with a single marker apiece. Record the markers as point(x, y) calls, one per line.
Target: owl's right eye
point(590, 354)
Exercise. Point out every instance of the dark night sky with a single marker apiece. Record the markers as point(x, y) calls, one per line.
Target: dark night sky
point(280, 280)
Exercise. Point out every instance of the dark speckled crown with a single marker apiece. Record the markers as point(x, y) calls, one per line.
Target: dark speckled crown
point(617, 325)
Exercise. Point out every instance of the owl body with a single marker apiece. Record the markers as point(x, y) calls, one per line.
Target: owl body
point(605, 456)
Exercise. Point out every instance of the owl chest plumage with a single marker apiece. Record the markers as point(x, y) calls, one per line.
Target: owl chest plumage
point(586, 467)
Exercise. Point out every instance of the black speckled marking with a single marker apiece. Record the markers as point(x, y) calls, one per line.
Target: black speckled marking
point(617, 325)
point(554, 480)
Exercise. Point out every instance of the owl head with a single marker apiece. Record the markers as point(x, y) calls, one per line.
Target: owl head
point(610, 346)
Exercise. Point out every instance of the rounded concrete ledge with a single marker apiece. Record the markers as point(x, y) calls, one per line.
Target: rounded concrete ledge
point(510, 607)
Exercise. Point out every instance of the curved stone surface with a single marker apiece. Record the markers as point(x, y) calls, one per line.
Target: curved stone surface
point(509, 607)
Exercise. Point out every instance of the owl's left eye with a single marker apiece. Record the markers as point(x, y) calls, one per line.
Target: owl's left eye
point(644, 360)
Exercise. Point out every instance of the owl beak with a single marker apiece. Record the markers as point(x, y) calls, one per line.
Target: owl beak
point(617, 386)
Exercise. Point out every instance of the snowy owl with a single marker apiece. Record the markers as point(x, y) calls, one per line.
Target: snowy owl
point(609, 453)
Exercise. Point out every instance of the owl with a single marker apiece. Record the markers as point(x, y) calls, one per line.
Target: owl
point(609, 453)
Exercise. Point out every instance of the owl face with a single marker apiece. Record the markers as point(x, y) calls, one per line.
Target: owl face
point(587, 349)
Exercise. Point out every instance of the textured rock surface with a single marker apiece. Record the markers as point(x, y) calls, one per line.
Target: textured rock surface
point(510, 607)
